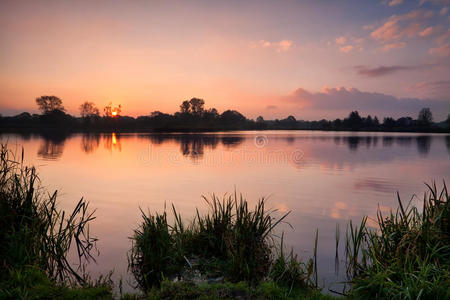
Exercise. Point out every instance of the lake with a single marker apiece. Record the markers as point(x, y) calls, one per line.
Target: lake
point(323, 178)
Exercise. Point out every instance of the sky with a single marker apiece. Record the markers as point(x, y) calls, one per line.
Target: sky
point(310, 59)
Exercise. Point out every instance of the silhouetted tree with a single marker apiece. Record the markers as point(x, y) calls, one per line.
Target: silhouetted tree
point(210, 114)
point(232, 116)
point(48, 104)
point(155, 114)
point(88, 109)
point(388, 122)
point(290, 119)
point(197, 106)
point(117, 110)
point(185, 107)
point(375, 121)
point(260, 119)
point(425, 116)
point(109, 111)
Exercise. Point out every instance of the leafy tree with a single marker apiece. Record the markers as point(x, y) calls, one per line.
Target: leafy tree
point(211, 114)
point(185, 107)
point(425, 116)
point(260, 119)
point(290, 119)
point(88, 109)
point(232, 116)
point(197, 106)
point(48, 104)
point(389, 122)
point(375, 121)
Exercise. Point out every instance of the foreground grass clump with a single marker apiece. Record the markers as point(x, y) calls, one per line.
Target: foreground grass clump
point(35, 236)
point(408, 256)
point(231, 242)
point(227, 290)
point(32, 283)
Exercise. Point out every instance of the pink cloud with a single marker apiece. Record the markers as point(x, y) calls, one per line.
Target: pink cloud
point(443, 50)
point(399, 26)
point(442, 45)
point(346, 49)
point(389, 47)
point(426, 32)
point(341, 40)
point(285, 45)
point(395, 2)
point(282, 46)
point(346, 99)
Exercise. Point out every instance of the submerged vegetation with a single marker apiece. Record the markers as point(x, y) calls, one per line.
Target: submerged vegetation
point(231, 251)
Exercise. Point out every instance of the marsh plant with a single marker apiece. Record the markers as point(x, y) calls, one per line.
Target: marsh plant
point(407, 256)
point(231, 241)
point(34, 232)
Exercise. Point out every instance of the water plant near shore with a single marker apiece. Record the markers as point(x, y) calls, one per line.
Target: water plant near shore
point(36, 237)
point(407, 256)
point(230, 241)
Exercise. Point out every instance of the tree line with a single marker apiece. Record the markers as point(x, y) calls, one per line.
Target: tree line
point(193, 116)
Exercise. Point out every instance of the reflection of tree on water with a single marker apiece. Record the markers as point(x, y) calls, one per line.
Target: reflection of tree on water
point(447, 143)
point(231, 141)
point(90, 142)
point(423, 144)
point(193, 146)
point(112, 141)
point(52, 147)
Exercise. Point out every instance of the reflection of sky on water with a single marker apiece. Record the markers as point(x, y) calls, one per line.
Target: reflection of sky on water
point(323, 178)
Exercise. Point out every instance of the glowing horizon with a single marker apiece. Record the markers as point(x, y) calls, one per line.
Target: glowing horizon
point(310, 60)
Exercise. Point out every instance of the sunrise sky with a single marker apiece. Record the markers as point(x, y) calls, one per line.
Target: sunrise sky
point(311, 59)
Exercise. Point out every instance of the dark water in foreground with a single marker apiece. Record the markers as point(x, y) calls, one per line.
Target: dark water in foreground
point(324, 178)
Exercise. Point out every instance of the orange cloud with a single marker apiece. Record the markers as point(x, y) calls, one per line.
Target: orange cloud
point(389, 47)
point(282, 46)
point(443, 50)
point(426, 32)
point(346, 49)
point(341, 40)
point(395, 2)
point(399, 26)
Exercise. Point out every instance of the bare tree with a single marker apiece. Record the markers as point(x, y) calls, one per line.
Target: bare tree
point(110, 111)
point(47, 104)
point(88, 109)
point(107, 110)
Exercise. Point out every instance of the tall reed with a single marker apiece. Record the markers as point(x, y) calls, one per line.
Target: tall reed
point(34, 232)
point(230, 240)
point(408, 255)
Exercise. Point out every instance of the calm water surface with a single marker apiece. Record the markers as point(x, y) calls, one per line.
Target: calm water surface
point(323, 178)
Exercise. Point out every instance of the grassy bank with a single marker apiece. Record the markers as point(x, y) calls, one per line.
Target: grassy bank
point(230, 251)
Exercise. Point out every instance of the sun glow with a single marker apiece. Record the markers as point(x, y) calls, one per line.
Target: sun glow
point(114, 113)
